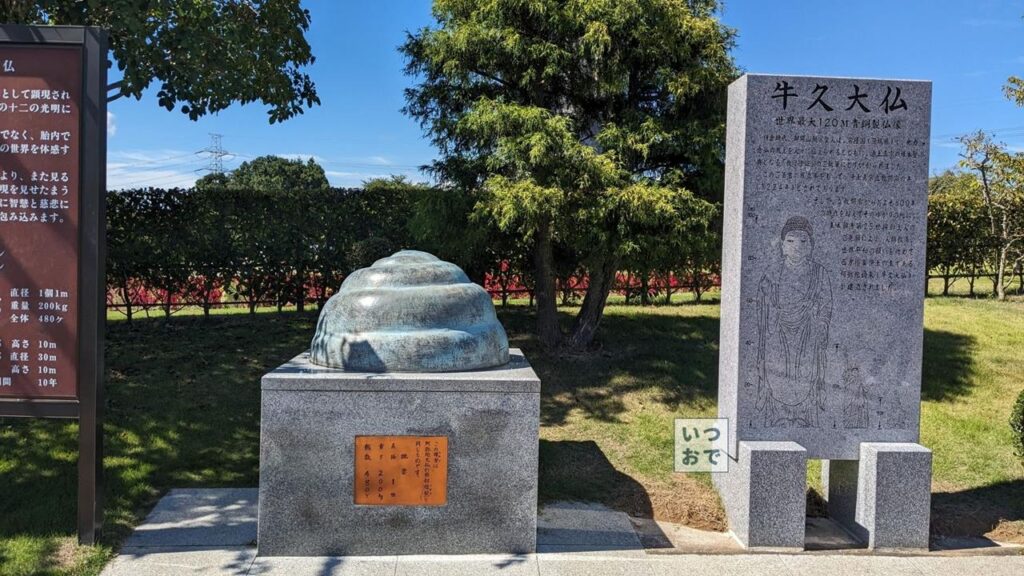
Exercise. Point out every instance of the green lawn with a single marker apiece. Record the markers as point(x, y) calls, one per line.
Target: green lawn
point(183, 410)
point(982, 287)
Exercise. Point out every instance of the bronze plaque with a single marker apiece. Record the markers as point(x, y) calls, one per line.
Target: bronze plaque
point(401, 470)
point(40, 129)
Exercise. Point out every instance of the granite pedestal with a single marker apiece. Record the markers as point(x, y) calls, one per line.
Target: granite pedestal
point(884, 498)
point(311, 416)
point(764, 494)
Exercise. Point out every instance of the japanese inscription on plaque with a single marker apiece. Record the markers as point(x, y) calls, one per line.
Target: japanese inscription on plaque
point(824, 261)
point(401, 470)
point(40, 95)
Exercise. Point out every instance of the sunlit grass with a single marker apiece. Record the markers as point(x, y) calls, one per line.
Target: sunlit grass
point(183, 411)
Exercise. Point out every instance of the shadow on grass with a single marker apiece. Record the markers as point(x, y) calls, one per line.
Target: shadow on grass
point(979, 511)
point(182, 410)
point(948, 365)
point(677, 356)
point(578, 471)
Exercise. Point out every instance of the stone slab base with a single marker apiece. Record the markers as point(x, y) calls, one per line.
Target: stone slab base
point(884, 499)
point(764, 494)
point(311, 416)
point(210, 532)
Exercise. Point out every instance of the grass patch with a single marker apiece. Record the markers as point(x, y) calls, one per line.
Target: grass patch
point(183, 411)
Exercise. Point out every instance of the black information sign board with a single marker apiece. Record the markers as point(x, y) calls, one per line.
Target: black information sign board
point(53, 154)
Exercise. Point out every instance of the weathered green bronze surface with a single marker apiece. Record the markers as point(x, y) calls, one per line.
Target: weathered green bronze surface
point(410, 312)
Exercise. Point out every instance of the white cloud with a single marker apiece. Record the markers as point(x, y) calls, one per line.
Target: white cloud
point(111, 124)
point(166, 168)
point(354, 179)
point(344, 174)
point(169, 168)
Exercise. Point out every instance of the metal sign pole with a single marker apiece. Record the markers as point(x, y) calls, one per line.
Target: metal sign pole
point(92, 284)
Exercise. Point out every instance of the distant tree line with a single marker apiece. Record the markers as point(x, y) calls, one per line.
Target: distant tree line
point(976, 218)
point(254, 238)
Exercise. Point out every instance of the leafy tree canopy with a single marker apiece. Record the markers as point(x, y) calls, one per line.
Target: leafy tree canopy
point(269, 173)
point(584, 124)
point(958, 228)
point(1000, 175)
point(205, 54)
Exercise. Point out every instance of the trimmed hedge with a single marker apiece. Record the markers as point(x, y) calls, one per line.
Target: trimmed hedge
point(178, 247)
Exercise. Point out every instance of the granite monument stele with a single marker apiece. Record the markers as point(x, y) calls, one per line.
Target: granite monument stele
point(823, 273)
point(408, 428)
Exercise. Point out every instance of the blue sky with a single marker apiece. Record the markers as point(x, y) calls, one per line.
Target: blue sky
point(966, 47)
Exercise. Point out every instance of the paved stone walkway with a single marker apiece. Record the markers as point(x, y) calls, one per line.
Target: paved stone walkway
point(213, 532)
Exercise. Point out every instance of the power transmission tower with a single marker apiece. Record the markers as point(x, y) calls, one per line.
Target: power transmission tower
point(217, 154)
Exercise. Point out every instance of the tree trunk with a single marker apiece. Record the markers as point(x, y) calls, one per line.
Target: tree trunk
point(589, 318)
point(547, 312)
point(1001, 276)
point(300, 291)
point(321, 294)
point(645, 289)
point(126, 295)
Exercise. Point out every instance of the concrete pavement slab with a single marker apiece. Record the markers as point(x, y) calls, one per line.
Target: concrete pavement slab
point(200, 517)
point(324, 566)
point(469, 565)
point(862, 565)
point(719, 565)
point(971, 565)
point(584, 552)
point(584, 564)
point(210, 532)
point(176, 561)
point(579, 526)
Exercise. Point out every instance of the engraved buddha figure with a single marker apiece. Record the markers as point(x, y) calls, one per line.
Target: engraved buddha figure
point(856, 412)
point(794, 307)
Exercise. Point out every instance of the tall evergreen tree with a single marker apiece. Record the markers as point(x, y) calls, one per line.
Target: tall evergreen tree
point(579, 124)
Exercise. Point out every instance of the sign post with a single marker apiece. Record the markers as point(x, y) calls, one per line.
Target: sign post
point(52, 232)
